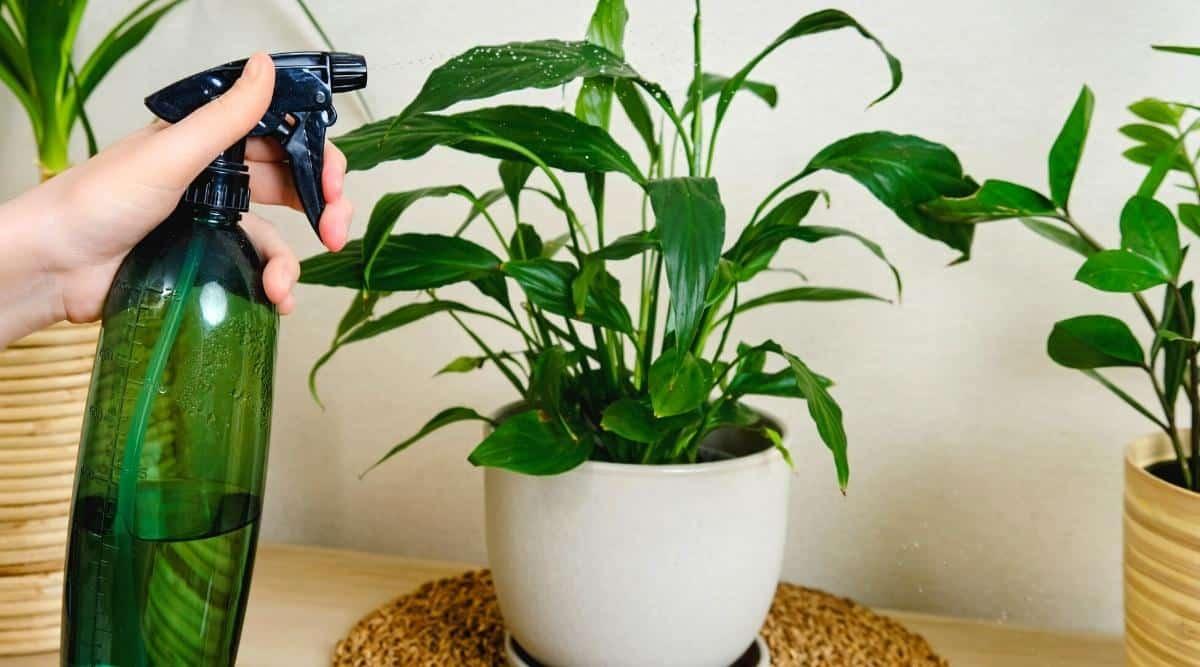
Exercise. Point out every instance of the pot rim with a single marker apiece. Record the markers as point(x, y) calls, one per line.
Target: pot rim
point(725, 466)
point(1148, 450)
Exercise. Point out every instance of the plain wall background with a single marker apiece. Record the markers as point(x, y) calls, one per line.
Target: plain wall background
point(985, 480)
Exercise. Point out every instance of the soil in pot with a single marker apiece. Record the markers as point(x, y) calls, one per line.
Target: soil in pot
point(1169, 472)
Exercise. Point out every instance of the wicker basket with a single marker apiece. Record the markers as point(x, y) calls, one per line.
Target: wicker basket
point(43, 385)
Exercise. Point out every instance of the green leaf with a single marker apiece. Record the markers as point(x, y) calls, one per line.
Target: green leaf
point(1176, 324)
point(903, 172)
point(1129, 400)
point(464, 364)
point(582, 284)
point(778, 383)
point(606, 29)
point(559, 139)
point(691, 226)
point(424, 261)
point(816, 233)
point(1189, 215)
point(405, 315)
point(758, 243)
point(1093, 341)
point(1149, 230)
point(533, 444)
point(387, 213)
point(478, 207)
point(817, 22)
point(335, 269)
point(1157, 111)
point(440, 420)
point(123, 38)
point(1151, 135)
point(547, 378)
point(628, 246)
point(514, 174)
point(995, 200)
point(1063, 237)
point(525, 243)
point(808, 293)
point(485, 71)
point(1120, 271)
point(547, 283)
point(631, 419)
point(777, 441)
point(711, 84)
point(679, 383)
point(1185, 50)
point(639, 115)
point(361, 307)
point(1150, 156)
point(1068, 147)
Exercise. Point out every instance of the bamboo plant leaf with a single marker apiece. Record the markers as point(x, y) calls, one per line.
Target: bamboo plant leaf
point(547, 284)
point(994, 200)
point(533, 444)
point(1068, 147)
point(1149, 230)
point(903, 172)
point(679, 383)
point(691, 227)
point(1093, 341)
point(440, 420)
point(712, 84)
point(1120, 271)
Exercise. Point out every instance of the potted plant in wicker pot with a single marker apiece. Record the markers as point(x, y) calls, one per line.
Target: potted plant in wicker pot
point(44, 377)
point(632, 433)
point(1162, 471)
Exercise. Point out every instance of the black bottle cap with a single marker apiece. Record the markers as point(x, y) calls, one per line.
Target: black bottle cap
point(224, 184)
point(348, 71)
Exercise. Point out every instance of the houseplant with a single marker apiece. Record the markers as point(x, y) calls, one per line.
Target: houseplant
point(1162, 472)
point(638, 411)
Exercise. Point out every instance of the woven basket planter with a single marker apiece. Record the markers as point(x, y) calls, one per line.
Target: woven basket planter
point(44, 381)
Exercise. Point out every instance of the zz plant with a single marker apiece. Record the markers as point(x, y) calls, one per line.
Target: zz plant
point(1150, 257)
point(642, 382)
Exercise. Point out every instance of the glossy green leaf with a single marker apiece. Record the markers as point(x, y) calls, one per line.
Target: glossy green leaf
point(1093, 341)
point(777, 383)
point(1068, 147)
point(335, 269)
point(405, 315)
point(638, 114)
point(1176, 322)
point(361, 307)
point(525, 243)
point(1120, 271)
point(440, 420)
point(807, 293)
point(817, 233)
point(547, 284)
point(606, 29)
point(387, 213)
point(547, 378)
point(691, 227)
point(630, 245)
point(631, 419)
point(581, 286)
point(995, 200)
point(817, 22)
point(1149, 230)
point(712, 84)
point(903, 172)
point(679, 383)
point(123, 38)
point(1189, 216)
point(1150, 155)
point(1151, 135)
point(533, 444)
point(1060, 235)
point(514, 174)
point(424, 261)
point(1157, 111)
point(464, 364)
point(758, 243)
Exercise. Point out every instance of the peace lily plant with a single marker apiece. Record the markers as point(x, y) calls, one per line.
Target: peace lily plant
point(604, 378)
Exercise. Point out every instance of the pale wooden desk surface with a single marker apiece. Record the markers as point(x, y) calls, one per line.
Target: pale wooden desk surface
point(304, 599)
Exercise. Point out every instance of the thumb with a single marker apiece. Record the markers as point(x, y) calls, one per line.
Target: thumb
point(182, 150)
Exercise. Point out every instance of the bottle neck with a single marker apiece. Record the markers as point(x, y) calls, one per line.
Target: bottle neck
point(209, 215)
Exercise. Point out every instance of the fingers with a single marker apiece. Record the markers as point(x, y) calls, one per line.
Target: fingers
point(281, 268)
point(271, 183)
point(180, 151)
point(333, 178)
point(334, 228)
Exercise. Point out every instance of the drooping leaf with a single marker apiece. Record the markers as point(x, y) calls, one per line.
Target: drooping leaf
point(638, 114)
point(679, 383)
point(995, 200)
point(1063, 237)
point(817, 22)
point(631, 419)
point(771, 237)
point(691, 229)
point(1068, 147)
point(514, 174)
point(405, 315)
point(1093, 341)
point(807, 293)
point(440, 420)
point(1157, 111)
point(533, 444)
point(758, 242)
point(361, 307)
point(424, 261)
point(711, 84)
point(1120, 271)
point(387, 213)
point(525, 243)
point(903, 172)
point(547, 284)
point(1149, 230)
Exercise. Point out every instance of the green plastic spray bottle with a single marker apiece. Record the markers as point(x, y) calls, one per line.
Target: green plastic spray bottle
point(173, 454)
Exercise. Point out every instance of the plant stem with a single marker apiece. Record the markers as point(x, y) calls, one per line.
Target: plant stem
point(1096, 245)
point(651, 320)
point(728, 326)
point(1172, 430)
point(697, 96)
point(487, 351)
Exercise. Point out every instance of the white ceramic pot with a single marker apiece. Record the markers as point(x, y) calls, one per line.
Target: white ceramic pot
point(617, 564)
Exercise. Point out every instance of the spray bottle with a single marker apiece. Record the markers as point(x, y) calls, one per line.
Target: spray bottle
point(173, 453)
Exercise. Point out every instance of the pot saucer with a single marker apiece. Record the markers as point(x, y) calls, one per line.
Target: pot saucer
point(758, 655)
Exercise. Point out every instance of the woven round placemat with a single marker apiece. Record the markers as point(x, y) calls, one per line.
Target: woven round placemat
point(456, 621)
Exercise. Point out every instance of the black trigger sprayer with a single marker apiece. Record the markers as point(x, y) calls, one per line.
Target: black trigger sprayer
point(172, 458)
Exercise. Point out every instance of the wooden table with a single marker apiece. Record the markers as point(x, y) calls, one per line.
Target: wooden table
point(304, 599)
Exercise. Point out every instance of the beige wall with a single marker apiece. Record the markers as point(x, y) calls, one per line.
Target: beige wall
point(985, 481)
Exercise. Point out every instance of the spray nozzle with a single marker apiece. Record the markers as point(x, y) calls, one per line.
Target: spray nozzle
point(301, 110)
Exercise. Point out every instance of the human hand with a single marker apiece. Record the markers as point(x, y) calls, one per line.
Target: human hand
point(92, 215)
